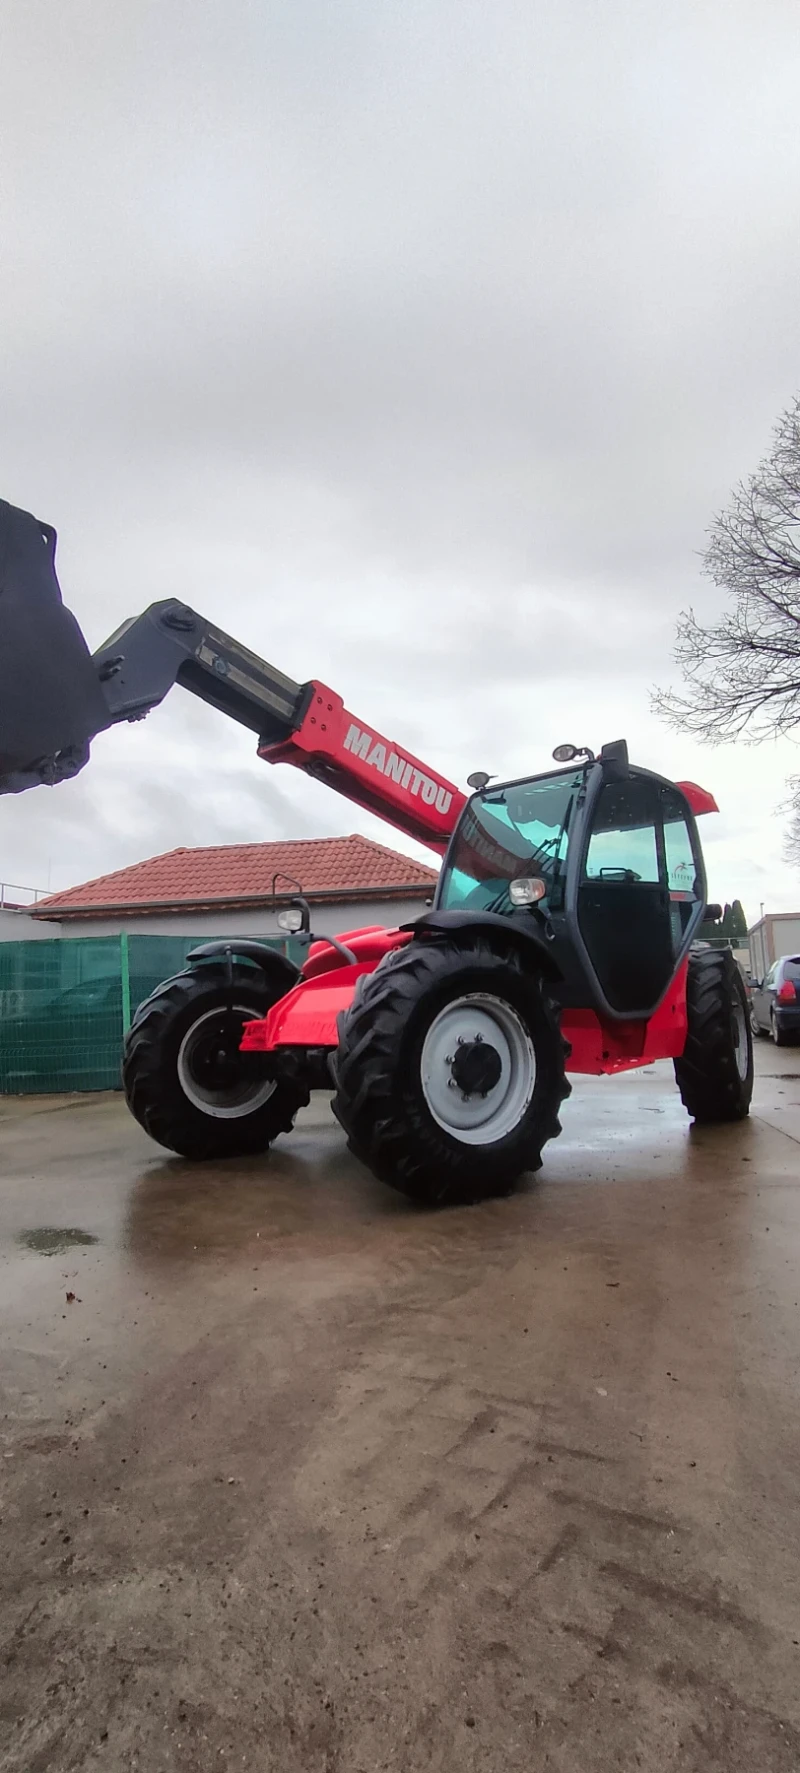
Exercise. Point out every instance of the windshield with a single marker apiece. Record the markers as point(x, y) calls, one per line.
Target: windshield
point(507, 832)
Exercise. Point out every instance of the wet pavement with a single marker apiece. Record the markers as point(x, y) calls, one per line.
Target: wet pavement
point(295, 1477)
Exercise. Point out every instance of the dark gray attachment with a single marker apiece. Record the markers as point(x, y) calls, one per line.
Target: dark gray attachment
point(51, 703)
point(170, 643)
point(55, 696)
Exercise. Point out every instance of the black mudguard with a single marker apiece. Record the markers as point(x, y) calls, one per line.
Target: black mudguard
point(276, 966)
point(522, 930)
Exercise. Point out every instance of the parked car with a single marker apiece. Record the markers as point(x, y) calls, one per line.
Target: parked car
point(775, 1001)
point(70, 1041)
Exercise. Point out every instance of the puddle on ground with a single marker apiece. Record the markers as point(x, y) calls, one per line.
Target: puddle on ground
point(51, 1240)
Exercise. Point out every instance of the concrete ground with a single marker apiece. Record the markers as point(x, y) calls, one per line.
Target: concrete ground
point(297, 1478)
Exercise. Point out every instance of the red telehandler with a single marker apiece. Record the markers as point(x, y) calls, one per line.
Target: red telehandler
point(562, 935)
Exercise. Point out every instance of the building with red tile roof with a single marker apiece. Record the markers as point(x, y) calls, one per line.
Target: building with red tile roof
point(353, 878)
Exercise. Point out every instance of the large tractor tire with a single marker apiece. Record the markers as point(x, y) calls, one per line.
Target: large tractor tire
point(715, 1072)
point(185, 1080)
point(450, 1070)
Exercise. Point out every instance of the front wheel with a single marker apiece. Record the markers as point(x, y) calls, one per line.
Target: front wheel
point(715, 1071)
point(450, 1070)
point(186, 1081)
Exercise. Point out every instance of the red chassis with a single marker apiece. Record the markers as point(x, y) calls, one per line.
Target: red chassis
point(306, 1017)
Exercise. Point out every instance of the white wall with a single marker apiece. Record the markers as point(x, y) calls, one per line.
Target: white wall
point(772, 937)
point(325, 920)
point(784, 935)
point(17, 926)
point(759, 959)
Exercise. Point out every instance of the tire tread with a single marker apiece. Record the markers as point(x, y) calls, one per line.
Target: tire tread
point(366, 1073)
point(706, 1073)
point(153, 1094)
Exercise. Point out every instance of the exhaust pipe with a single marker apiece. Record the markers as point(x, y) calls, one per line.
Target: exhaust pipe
point(51, 702)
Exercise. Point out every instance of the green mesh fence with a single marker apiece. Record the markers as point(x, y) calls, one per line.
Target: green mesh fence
point(65, 1005)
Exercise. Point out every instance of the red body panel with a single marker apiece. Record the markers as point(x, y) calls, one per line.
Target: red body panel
point(370, 770)
point(699, 799)
point(370, 944)
point(306, 1016)
point(600, 1047)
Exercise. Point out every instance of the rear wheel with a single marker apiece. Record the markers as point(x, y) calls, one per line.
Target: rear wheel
point(777, 1033)
point(185, 1080)
point(450, 1071)
point(715, 1071)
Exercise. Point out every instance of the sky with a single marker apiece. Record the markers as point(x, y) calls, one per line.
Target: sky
point(417, 346)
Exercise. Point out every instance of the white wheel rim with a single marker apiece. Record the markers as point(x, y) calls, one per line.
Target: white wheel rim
point(220, 1104)
point(740, 1041)
point(478, 1119)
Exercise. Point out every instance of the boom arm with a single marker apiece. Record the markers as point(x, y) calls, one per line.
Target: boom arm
point(305, 724)
point(43, 657)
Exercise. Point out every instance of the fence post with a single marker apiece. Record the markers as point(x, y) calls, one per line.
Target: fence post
point(125, 975)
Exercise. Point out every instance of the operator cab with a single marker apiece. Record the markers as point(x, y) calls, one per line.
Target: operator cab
point(617, 885)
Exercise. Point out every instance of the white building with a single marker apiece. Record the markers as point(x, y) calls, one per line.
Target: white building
point(238, 889)
point(774, 935)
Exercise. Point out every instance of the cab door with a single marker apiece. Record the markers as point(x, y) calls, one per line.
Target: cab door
point(641, 891)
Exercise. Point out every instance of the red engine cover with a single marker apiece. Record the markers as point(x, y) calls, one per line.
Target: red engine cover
point(369, 944)
point(306, 1016)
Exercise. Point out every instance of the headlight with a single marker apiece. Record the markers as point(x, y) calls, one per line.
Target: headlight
point(528, 890)
point(290, 920)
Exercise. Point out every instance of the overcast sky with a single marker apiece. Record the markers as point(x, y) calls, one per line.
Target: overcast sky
point(415, 344)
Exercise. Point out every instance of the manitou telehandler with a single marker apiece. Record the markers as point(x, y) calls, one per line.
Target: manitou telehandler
point(562, 934)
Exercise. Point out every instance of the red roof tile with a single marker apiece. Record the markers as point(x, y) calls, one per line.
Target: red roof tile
point(240, 873)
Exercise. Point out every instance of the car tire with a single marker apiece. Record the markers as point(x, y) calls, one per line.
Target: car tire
point(776, 1033)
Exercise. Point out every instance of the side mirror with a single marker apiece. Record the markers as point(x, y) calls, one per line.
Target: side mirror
point(568, 753)
point(295, 920)
point(713, 913)
point(614, 761)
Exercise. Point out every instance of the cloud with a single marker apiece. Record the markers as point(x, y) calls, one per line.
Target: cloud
point(417, 347)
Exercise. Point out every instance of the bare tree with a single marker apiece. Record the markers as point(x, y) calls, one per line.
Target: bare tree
point(792, 811)
point(742, 672)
